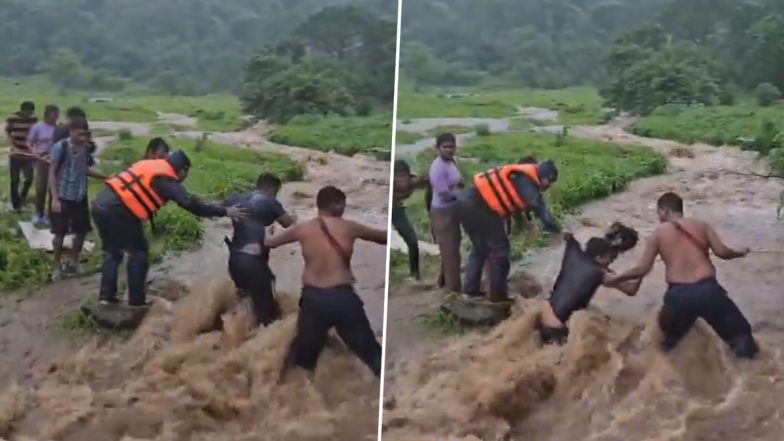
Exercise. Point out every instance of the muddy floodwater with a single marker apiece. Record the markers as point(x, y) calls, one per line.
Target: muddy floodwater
point(610, 382)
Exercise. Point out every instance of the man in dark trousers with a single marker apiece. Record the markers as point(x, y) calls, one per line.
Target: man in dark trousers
point(328, 297)
point(21, 160)
point(130, 198)
point(496, 195)
point(248, 257)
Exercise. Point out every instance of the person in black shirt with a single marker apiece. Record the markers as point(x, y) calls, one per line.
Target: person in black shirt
point(248, 257)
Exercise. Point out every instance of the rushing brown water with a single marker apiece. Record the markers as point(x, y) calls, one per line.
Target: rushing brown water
point(610, 382)
point(171, 381)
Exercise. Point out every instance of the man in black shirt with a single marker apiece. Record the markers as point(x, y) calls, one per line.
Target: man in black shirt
point(248, 257)
point(120, 209)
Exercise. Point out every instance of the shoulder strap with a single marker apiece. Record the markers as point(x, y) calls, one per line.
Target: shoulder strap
point(690, 237)
point(334, 243)
point(63, 154)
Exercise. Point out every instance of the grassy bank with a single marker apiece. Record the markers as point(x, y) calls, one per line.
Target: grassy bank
point(217, 171)
point(343, 135)
point(576, 105)
point(214, 112)
point(716, 125)
point(588, 170)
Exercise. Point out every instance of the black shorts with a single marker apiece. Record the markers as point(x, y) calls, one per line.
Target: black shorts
point(252, 275)
point(119, 230)
point(73, 218)
point(686, 302)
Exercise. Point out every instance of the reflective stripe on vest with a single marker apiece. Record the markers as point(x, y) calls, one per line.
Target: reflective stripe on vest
point(497, 190)
point(134, 186)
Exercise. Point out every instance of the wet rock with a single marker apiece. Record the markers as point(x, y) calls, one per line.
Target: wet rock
point(477, 312)
point(116, 316)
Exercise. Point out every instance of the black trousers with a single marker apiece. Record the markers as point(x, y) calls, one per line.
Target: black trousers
point(489, 240)
point(320, 309)
point(252, 275)
point(706, 299)
point(20, 168)
point(403, 226)
point(120, 233)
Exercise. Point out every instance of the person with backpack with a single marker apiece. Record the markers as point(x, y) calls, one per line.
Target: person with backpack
point(69, 211)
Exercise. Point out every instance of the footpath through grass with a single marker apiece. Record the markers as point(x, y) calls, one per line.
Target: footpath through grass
point(588, 170)
point(344, 135)
point(575, 105)
point(217, 171)
point(716, 125)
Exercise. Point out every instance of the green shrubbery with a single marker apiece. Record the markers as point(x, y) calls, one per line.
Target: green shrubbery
point(344, 135)
point(767, 94)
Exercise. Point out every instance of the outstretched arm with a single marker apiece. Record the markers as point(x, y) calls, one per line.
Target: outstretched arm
point(643, 266)
point(529, 192)
point(629, 287)
point(286, 236)
point(172, 190)
point(723, 251)
point(369, 234)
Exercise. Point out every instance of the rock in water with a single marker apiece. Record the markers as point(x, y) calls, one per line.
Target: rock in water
point(477, 312)
point(117, 316)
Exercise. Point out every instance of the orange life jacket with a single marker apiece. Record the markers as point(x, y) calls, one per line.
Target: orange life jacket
point(134, 186)
point(498, 191)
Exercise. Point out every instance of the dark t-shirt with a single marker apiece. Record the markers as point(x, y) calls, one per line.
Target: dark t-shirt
point(262, 211)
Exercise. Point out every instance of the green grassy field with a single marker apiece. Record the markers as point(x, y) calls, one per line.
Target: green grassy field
point(576, 105)
point(714, 125)
point(343, 135)
point(218, 170)
point(588, 170)
point(214, 112)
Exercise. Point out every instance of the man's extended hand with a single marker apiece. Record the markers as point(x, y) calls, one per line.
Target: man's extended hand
point(743, 251)
point(236, 212)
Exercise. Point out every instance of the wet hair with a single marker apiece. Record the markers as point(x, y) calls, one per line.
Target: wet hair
point(51, 108)
point(402, 167)
point(329, 197)
point(621, 237)
point(179, 160)
point(27, 106)
point(671, 202)
point(78, 124)
point(527, 160)
point(268, 180)
point(547, 169)
point(445, 138)
point(597, 247)
point(75, 112)
point(155, 144)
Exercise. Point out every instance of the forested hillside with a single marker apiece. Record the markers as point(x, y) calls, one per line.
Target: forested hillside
point(178, 46)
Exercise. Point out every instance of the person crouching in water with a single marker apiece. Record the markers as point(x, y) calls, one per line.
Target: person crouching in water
point(497, 194)
point(248, 257)
point(328, 298)
point(131, 197)
point(566, 300)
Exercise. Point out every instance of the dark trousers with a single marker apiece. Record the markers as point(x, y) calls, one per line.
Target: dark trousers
point(41, 186)
point(445, 223)
point(20, 168)
point(403, 226)
point(322, 308)
point(120, 233)
point(252, 275)
point(706, 299)
point(489, 241)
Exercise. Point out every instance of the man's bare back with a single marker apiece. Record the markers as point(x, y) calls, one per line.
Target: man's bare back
point(325, 266)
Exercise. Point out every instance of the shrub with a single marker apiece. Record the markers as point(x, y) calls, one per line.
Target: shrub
point(125, 135)
point(482, 129)
point(767, 94)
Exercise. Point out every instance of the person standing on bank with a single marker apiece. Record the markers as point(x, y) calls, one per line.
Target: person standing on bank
point(496, 195)
point(130, 198)
point(403, 187)
point(69, 211)
point(446, 182)
point(20, 158)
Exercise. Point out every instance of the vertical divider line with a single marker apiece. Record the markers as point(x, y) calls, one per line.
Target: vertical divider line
point(389, 222)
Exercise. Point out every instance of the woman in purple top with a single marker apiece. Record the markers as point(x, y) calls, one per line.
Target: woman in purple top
point(446, 181)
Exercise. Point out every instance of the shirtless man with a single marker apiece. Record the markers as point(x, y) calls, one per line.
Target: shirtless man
point(328, 298)
point(693, 290)
point(557, 310)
